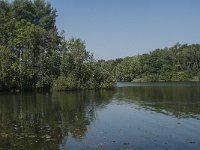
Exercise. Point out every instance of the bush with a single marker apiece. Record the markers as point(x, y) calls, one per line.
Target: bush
point(63, 83)
point(180, 76)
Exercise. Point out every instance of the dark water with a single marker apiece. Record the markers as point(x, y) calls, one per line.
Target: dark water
point(136, 84)
point(139, 117)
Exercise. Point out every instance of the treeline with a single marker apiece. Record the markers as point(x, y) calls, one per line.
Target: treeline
point(180, 62)
point(35, 56)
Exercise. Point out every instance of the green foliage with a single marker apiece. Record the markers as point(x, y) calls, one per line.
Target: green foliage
point(5, 68)
point(107, 81)
point(180, 76)
point(178, 63)
point(79, 70)
point(34, 56)
point(63, 83)
point(129, 72)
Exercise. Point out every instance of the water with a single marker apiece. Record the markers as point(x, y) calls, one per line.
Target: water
point(137, 117)
point(136, 84)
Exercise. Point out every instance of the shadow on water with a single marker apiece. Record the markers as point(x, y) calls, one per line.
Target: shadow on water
point(35, 121)
point(46, 120)
point(179, 101)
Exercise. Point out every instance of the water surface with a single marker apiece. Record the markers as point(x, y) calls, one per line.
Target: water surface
point(138, 117)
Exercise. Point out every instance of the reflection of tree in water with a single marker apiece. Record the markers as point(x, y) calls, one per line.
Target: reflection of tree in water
point(181, 102)
point(41, 121)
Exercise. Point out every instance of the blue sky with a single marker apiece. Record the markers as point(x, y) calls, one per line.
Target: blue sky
point(119, 28)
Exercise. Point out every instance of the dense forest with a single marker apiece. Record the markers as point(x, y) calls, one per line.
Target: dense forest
point(35, 56)
point(180, 62)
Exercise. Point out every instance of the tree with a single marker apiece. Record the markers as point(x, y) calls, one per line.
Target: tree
point(9, 74)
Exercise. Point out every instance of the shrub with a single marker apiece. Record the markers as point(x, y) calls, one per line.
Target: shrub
point(64, 83)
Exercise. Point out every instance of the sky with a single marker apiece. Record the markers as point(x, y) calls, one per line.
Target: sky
point(119, 28)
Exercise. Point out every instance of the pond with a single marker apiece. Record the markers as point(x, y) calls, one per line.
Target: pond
point(128, 117)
